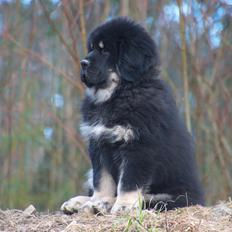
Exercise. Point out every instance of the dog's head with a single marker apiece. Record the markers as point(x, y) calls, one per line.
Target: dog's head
point(118, 46)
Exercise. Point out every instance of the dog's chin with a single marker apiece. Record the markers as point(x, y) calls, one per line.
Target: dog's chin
point(97, 84)
point(88, 85)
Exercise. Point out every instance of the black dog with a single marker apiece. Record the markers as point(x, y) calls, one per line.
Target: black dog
point(138, 144)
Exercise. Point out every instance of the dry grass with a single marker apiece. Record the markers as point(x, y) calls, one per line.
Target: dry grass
point(197, 218)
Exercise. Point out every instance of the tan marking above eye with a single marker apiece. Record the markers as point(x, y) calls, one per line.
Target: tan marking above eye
point(101, 44)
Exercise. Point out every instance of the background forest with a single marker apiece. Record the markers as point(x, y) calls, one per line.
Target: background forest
point(42, 156)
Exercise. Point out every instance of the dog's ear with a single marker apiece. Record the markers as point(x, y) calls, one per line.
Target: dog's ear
point(134, 60)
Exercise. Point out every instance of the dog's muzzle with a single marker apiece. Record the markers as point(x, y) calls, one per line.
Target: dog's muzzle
point(84, 67)
point(90, 74)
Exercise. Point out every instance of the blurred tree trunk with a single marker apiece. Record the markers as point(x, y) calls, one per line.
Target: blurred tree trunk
point(184, 66)
point(124, 8)
point(82, 25)
point(139, 10)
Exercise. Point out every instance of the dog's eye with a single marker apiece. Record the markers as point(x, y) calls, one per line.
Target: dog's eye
point(91, 47)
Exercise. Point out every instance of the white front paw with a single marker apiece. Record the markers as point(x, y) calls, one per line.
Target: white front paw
point(103, 206)
point(99, 206)
point(88, 207)
point(119, 207)
point(74, 204)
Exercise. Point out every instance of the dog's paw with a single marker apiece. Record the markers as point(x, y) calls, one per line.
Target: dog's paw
point(103, 206)
point(118, 208)
point(97, 207)
point(74, 204)
point(88, 207)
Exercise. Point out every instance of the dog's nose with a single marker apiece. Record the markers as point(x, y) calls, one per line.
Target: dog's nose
point(84, 64)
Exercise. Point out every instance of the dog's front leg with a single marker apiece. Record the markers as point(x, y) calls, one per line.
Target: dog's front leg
point(104, 191)
point(134, 179)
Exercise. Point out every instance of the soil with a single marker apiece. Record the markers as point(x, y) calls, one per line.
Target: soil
point(190, 219)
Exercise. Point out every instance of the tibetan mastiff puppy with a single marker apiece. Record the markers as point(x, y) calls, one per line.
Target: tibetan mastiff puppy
point(139, 147)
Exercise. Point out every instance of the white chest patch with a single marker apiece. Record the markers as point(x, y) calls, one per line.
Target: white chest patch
point(113, 134)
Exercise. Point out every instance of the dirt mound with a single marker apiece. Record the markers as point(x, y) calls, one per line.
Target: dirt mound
point(197, 218)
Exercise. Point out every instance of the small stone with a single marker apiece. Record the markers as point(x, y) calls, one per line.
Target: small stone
point(30, 210)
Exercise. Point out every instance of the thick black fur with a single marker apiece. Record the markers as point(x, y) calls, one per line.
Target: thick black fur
point(161, 157)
